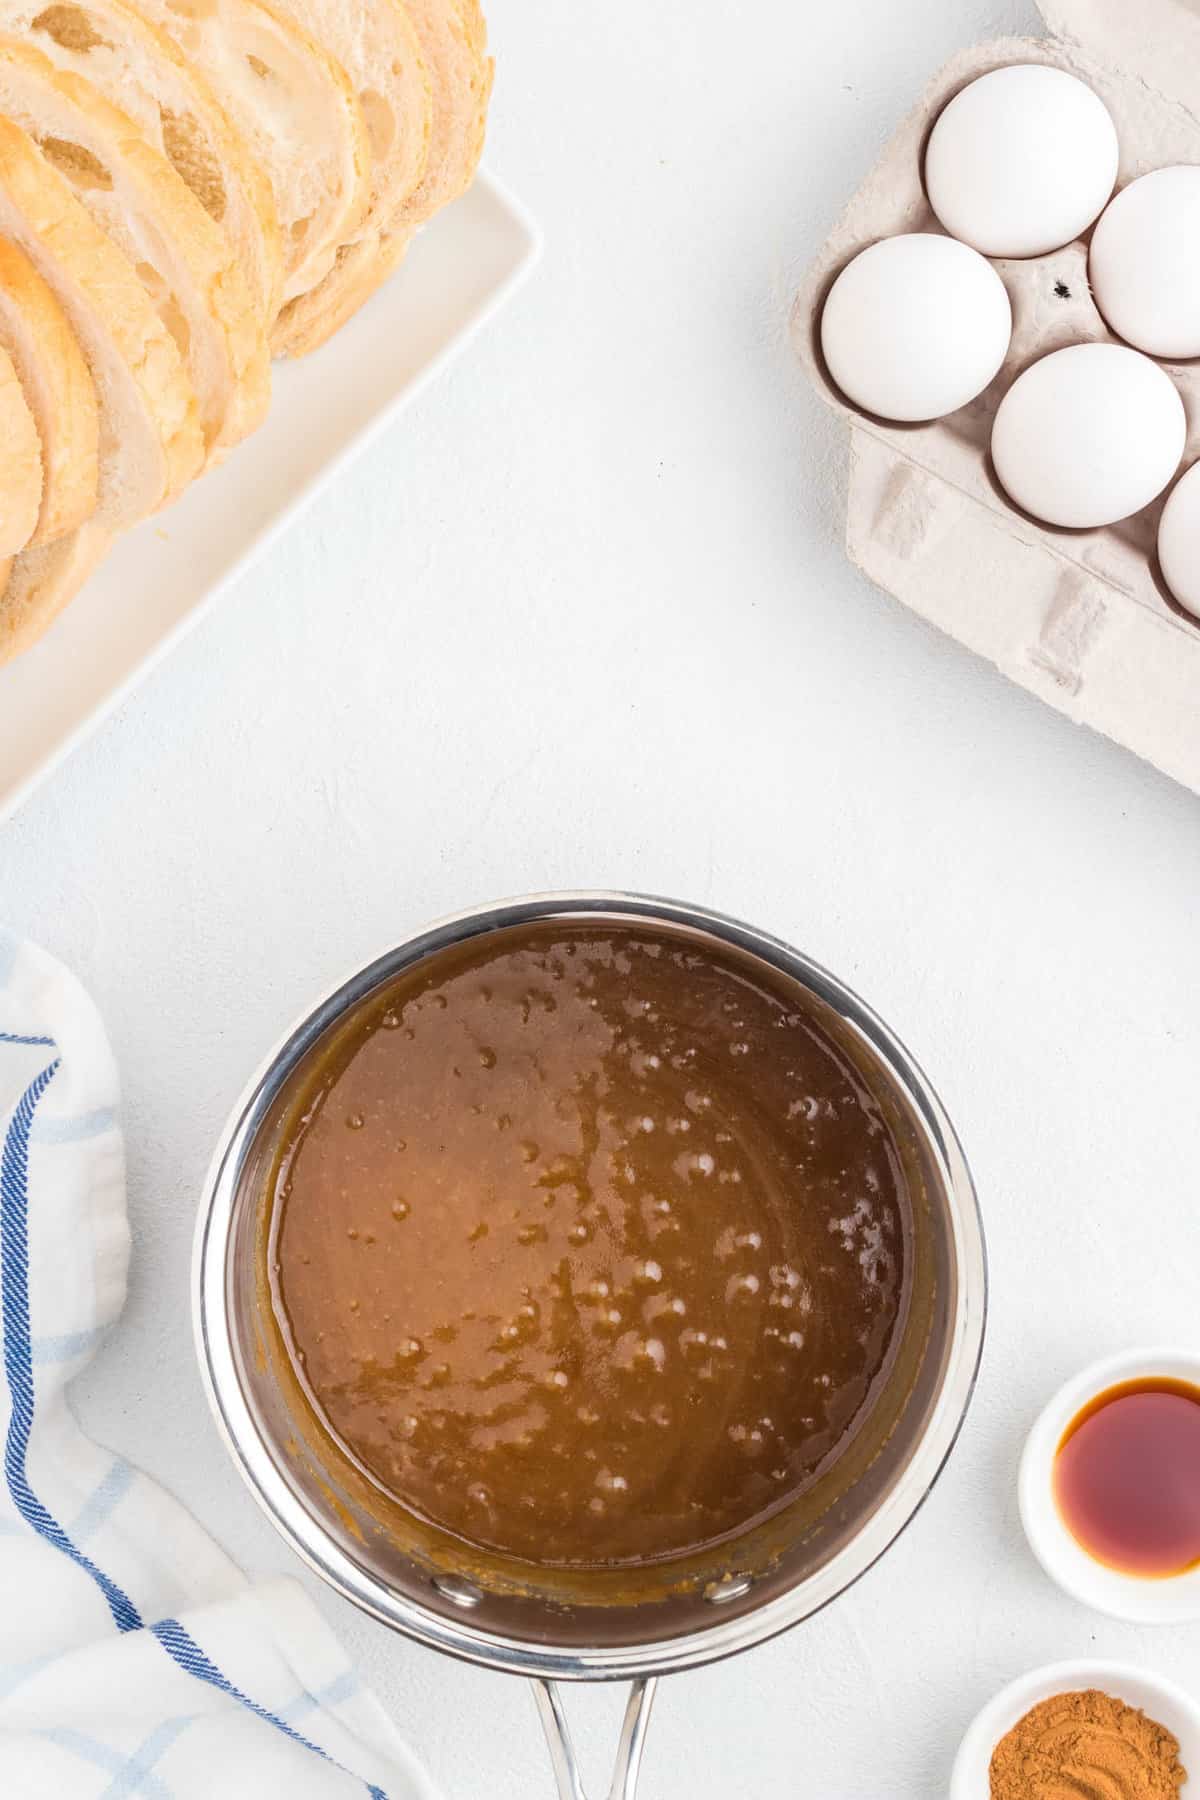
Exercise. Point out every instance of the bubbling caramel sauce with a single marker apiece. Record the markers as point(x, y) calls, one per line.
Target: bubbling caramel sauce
point(587, 1245)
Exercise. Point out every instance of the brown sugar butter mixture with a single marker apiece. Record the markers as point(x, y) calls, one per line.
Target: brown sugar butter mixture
point(588, 1246)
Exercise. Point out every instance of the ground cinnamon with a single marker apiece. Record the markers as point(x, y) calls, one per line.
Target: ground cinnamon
point(1086, 1746)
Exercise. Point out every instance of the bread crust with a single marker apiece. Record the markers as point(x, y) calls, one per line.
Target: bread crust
point(134, 360)
point(58, 389)
point(20, 463)
point(181, 255)
point(40, 583)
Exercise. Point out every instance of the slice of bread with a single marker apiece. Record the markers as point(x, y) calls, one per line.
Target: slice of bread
point(311, 320)
point(297, 112)
point(39, 583)
point(377, 43)
point(150, 439)
point(181, 256)
point(20, 463)
point(138, 68)
point(453, 39)
point(59, 390)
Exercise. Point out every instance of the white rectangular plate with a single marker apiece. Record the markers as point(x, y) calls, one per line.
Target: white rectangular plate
point(326, 408)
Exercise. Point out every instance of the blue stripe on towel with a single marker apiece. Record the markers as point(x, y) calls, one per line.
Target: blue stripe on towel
point(183, 1648)
point(103, 1756)
point(13, 1674)
point(73, 1131)
point(135, 1776)
point(101, 1501)
point(12, 1037)
point(344, 1688)
point(65, 1347)
point(18, 1358)
point(18, 1369)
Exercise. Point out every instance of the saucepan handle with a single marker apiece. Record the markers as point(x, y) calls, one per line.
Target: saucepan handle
point(562, 1750)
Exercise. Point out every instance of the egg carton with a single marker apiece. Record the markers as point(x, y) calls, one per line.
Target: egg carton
point(1082, 619)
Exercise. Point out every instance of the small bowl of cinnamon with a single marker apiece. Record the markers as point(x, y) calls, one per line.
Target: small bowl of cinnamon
point(1082, 1727)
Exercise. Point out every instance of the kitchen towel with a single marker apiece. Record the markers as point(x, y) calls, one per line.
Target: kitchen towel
point(135, 1658)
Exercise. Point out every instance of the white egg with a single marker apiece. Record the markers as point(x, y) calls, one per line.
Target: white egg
point(1088, 435)
point(1144, 263)
point(1021, 161)
point(915, 327)
point(1179, 541)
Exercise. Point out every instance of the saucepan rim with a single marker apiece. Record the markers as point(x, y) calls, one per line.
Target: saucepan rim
point(461, 1637)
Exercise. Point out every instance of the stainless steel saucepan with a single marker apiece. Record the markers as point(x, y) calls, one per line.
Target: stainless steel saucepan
point(587, 1628)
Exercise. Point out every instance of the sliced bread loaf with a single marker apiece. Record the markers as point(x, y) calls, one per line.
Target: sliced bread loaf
point(298, 113)
point(20, 463)
point(39, 583)
point(150, 439)
point(376, 42)
point(181, 256)
point(138, 68)
point(59, 390)
point(453, 40)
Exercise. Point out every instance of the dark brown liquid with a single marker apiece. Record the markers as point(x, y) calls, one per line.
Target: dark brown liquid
point(1127, 1477)
point(590, 1247)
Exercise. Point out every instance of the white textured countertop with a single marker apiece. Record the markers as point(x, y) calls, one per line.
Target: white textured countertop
point(582, 618)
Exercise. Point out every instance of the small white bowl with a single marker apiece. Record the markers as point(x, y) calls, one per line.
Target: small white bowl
point(1158, 1699)
point(1146, 1600)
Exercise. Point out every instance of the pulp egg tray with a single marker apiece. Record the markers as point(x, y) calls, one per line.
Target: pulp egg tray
point(1080, 618)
